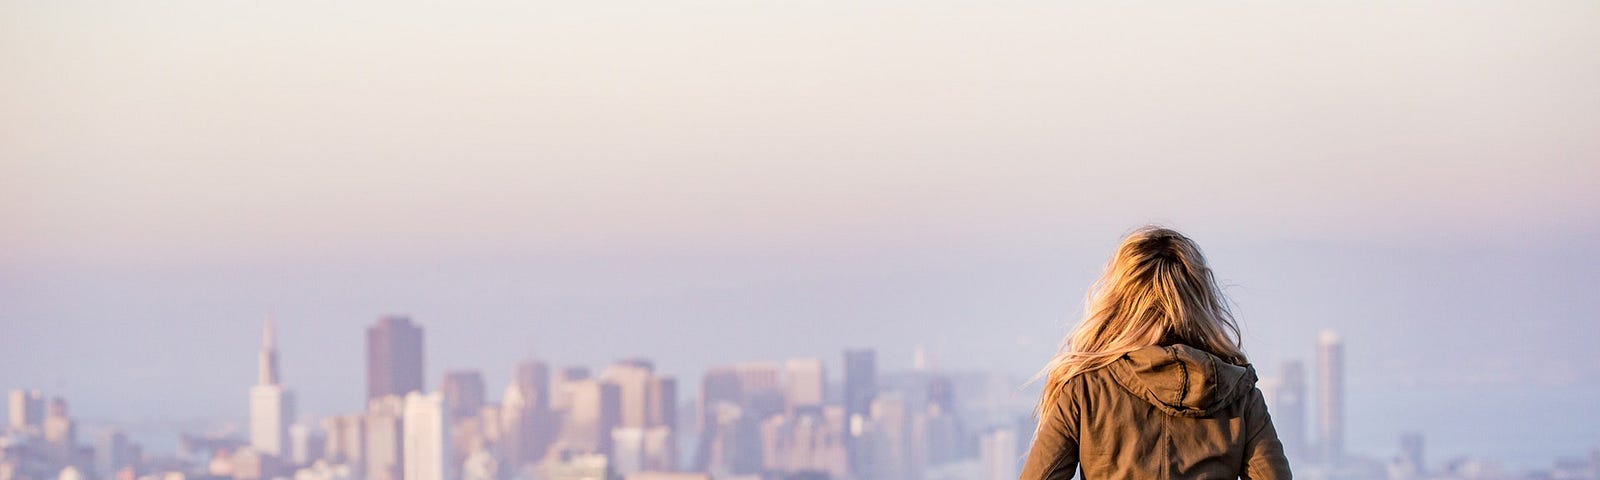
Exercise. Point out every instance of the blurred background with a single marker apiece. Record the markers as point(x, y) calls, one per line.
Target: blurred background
point(727, 196)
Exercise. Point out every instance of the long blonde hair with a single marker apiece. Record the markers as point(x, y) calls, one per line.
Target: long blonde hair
point(1157, 290)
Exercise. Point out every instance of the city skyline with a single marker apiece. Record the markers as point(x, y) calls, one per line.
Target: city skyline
point(628, 401)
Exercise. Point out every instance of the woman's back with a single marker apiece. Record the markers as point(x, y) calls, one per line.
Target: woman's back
point(1159, 412)
point(1153, 382)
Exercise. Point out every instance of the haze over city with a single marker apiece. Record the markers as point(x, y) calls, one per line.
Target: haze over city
point(712, 182)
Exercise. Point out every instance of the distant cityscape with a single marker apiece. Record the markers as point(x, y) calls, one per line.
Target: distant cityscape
point(759, 420)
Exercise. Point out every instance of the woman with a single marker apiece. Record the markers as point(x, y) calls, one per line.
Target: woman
point(1153, 383)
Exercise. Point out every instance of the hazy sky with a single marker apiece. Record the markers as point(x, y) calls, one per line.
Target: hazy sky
point(712, 181)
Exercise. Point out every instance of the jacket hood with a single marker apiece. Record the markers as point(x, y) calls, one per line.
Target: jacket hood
point(1182, 380)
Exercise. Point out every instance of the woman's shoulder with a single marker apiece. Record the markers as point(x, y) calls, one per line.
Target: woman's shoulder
point(1084, 384)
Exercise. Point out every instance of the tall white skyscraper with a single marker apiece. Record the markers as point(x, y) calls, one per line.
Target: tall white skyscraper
point(426, 437)
point(997, 451)
point(271, 404)
point(1330, 396)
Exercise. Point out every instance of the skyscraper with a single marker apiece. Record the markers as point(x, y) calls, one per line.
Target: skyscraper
point(533, 378)
point(660, 444)
point(383, 433)
point(394, 357)
point(1289, 408)
point(346, 441)
point(595, 411)
point(562, 385)
point(860, 388)
point(60, 432)
point(647, 412)
point(632, 379)
point(527, 424)
point(271, 404)
point(464, 391)
point(860, 381)
point(1330, 396)
point(27, 410)
point(761, 389)
point(720, 385)
point(426, 437)
point(803, 384)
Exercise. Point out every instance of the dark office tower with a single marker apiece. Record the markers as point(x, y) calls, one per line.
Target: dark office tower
point(463, 392)
point(1330, 396)
point(394, 357)
point(1289, 408)
point(528, 425)
point(860, 381)
point(860, 389)
point(532, 377)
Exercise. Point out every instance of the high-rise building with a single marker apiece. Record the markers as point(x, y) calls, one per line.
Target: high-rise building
point(526, 422)
point(561, 386)
point(596, 410)
point(27, 410)
point(533, 378)
point(632, 379)
point(720, 385)
point(60, 432)
point(464, 391)
point(998, 454)
point(271, 404)
point(732, 445)
point(808, 440)
point(383, 428)
point(662, 403)
point(426, 437)
point(394, 357)
point(1288, 407)
point(804, 384)
point(888, 436)
point(306, 445)
point(936, 426)
point(761, 390)
point(345, 440)
point(860, 388)
point(661, 424)
point(1330, 396)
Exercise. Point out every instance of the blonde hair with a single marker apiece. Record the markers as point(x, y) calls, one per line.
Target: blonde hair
point(1156, 290)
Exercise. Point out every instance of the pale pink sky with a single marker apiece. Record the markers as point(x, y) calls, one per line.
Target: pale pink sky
point(236, 129)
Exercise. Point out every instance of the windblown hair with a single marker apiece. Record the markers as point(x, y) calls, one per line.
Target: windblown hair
point(1157, 290)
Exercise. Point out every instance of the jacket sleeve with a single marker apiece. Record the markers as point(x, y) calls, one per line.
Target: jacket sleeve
point(1263, 452)
point(1054, 455)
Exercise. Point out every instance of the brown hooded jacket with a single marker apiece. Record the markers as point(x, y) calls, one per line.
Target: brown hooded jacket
point(1159, 412)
